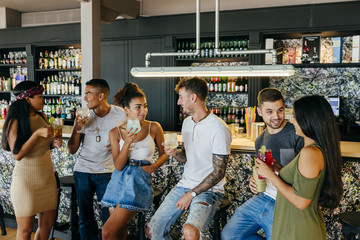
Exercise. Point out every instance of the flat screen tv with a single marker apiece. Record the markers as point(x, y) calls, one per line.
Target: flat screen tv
point(335, 104)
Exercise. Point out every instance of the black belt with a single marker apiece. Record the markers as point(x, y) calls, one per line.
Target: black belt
point(137, 163)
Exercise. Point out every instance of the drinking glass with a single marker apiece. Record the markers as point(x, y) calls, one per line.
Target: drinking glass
point(171, 141)
point(57, 127)
point(82, 112)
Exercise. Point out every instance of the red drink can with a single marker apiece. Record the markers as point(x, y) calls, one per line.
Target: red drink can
point(266, 158)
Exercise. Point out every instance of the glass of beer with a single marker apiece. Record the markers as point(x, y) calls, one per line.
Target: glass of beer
point(57, 126)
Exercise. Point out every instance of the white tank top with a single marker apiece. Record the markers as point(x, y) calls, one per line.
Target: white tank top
point(142, 150)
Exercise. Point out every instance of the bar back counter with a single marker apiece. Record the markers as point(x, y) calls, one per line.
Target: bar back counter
point(238, 174)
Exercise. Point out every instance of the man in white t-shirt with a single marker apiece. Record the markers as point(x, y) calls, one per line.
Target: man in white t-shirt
point(205, 151)
point(93, 168)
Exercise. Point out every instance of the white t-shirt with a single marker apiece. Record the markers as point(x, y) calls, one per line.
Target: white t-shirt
point(201, 140)
point(94, 158)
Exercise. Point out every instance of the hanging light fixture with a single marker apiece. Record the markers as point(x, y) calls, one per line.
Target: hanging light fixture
point(207, 71)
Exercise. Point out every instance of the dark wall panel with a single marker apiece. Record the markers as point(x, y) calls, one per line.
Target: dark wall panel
point(114, 67)
point(154, 88)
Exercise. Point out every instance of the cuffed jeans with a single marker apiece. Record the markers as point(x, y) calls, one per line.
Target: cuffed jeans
point(199, 216)
point(255, 213)
point(86, 185)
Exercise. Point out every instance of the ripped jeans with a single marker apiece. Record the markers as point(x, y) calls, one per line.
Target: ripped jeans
point(199, 216)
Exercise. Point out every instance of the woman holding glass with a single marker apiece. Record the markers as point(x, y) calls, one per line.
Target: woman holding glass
point(130, 190)
point(28, 135)
point(313, 178)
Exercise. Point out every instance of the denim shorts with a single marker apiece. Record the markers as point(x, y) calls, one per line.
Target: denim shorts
point(131, 188)
point(199, 215)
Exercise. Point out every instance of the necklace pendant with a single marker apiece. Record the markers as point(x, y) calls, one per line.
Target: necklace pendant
point(98, 138)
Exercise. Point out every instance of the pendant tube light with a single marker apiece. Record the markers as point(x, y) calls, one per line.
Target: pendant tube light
point(228, 71)
point(205, 71)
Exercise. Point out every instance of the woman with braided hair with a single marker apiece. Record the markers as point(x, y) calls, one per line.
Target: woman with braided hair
point(27, 134)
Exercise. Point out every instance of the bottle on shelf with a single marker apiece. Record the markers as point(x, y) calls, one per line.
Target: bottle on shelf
point(315, 56)
point(305, 53)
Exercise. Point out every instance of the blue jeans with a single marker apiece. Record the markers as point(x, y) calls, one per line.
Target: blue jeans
point(255, 213)
point(199, 216)
point(86, 185)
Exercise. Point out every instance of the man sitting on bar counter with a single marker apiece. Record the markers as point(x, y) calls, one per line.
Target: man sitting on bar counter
point(205, 151)
point(280, 137)
point(94, 166)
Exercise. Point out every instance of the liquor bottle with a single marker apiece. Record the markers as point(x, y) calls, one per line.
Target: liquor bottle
point(77, 87)
point(216, 84)
point(305, 53)
point(211, 49)
point(202, 49)
point(64, 60)
point(242, 117)
point(66, 85)
point(58, 108)
point(237, 86)
point(46, 60)
point(234, 114)
point(51, 60)
point(60, 59)
point(224, 84)
point(47, 85)
point(71, 85)
point(56, 60)
point(237, 120)
point(315, 57)
point(41, 61)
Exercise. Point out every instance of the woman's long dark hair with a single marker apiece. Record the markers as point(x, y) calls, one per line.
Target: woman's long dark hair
point(317, 121)
point(124, 96)
point(18, 110)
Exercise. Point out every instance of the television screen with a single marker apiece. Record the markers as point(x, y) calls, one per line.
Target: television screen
point(335, 104)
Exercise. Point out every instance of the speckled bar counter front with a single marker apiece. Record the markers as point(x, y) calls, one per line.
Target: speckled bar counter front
point(238, 174)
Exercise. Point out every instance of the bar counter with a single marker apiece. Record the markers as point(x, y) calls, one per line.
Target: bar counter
point(165, 178)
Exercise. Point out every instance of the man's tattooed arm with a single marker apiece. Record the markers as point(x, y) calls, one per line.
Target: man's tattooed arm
point(219, 162)
point(180, 154)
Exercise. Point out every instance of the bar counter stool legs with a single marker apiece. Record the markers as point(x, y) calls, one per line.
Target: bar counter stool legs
point(2, 222)
point(219, 220)
point(351, 224)
point(68, 230)
point(141, 217)
point(57, 208)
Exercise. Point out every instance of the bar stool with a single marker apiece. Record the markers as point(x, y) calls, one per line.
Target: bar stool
point(70, 229)
point(351, 224)
point(2, 222)
point(157, 194)
point(219, 220)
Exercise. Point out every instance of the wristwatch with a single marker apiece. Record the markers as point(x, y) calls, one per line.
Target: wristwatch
point(193, 194)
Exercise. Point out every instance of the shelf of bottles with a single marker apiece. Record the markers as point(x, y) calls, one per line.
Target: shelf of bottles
point(12, 69)
point(62, 83)
point(207, 48)
point(11, 58)
point(237, 85)
point(61, 107)
point(227, 114)
point(9, 79)
point(61, 59)
point(58, 70)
